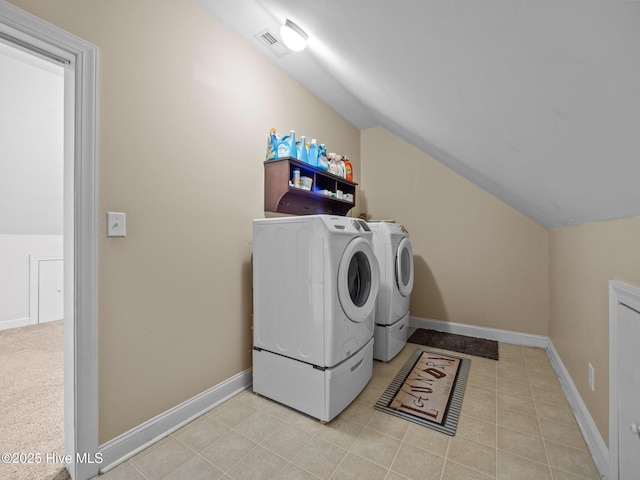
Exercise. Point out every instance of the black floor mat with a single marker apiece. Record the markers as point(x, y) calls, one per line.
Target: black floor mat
point(478, 347)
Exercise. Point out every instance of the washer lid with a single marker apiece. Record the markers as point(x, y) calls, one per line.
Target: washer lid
point(358, 280)
point(404, 267)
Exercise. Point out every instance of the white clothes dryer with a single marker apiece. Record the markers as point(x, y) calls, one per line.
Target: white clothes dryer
point(395, 256)
point(315, 284)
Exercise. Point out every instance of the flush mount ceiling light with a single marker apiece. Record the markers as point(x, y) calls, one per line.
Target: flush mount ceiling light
point(293, 36)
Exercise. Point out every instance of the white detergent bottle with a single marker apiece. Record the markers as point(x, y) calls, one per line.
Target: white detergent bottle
point(333, 165)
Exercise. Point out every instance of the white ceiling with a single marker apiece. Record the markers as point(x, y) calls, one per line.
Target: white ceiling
point(536, 101)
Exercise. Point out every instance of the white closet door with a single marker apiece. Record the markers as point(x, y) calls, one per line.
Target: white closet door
point(628, 384)
point(50, 297)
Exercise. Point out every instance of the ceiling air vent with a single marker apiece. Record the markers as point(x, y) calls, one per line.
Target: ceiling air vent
point(273, 43)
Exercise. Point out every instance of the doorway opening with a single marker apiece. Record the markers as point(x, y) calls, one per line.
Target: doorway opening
point(79, 58)
point(31, 188)
point(31, 252)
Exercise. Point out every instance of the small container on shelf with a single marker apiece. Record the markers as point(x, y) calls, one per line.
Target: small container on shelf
point(305, 183)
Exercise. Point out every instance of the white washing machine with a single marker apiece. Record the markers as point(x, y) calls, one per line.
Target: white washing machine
point(395, 257)
point(315, 283)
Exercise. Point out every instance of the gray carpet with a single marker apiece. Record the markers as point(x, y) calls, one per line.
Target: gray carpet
point(478, 347)
point(31, 400)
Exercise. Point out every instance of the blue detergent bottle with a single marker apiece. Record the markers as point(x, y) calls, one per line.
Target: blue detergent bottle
point(313, 153)
point(283, 149)
point(293, 152)
point(303, 156)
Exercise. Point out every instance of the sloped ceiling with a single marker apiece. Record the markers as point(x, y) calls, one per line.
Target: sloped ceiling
point(536, 101)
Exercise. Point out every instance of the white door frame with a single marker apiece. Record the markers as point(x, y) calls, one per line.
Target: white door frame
point(629, 295)
point(80, 231)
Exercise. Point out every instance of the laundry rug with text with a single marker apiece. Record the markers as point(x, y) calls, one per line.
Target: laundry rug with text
point(428, 390)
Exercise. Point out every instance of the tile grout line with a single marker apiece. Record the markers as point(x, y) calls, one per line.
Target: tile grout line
point(138, 470)
point(394, 457)
point(260, 444)
point(544, 442)
point(315, 435)
point(537, 416)
point(170, 436)
point(446, 458)
point(198, 454)
point(331, 443)
point(398, 451)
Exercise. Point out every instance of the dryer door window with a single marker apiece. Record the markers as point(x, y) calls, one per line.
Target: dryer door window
point(404, 267)
point(358, 280)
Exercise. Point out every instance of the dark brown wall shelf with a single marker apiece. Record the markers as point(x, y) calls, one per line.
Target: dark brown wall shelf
point(282, 198)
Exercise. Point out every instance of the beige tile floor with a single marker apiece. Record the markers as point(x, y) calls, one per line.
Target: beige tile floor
point(515, 424)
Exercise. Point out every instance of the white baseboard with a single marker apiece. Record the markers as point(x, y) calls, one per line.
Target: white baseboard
point(595, 443)
point(597, 447)
point(18, 322)
point(506, 336)
point(125, 446)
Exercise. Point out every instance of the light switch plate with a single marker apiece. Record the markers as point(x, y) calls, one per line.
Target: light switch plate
point(116, 224)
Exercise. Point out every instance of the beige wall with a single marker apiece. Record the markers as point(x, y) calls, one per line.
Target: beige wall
point(477, 260)
point(185, 108)
point(583, 260)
